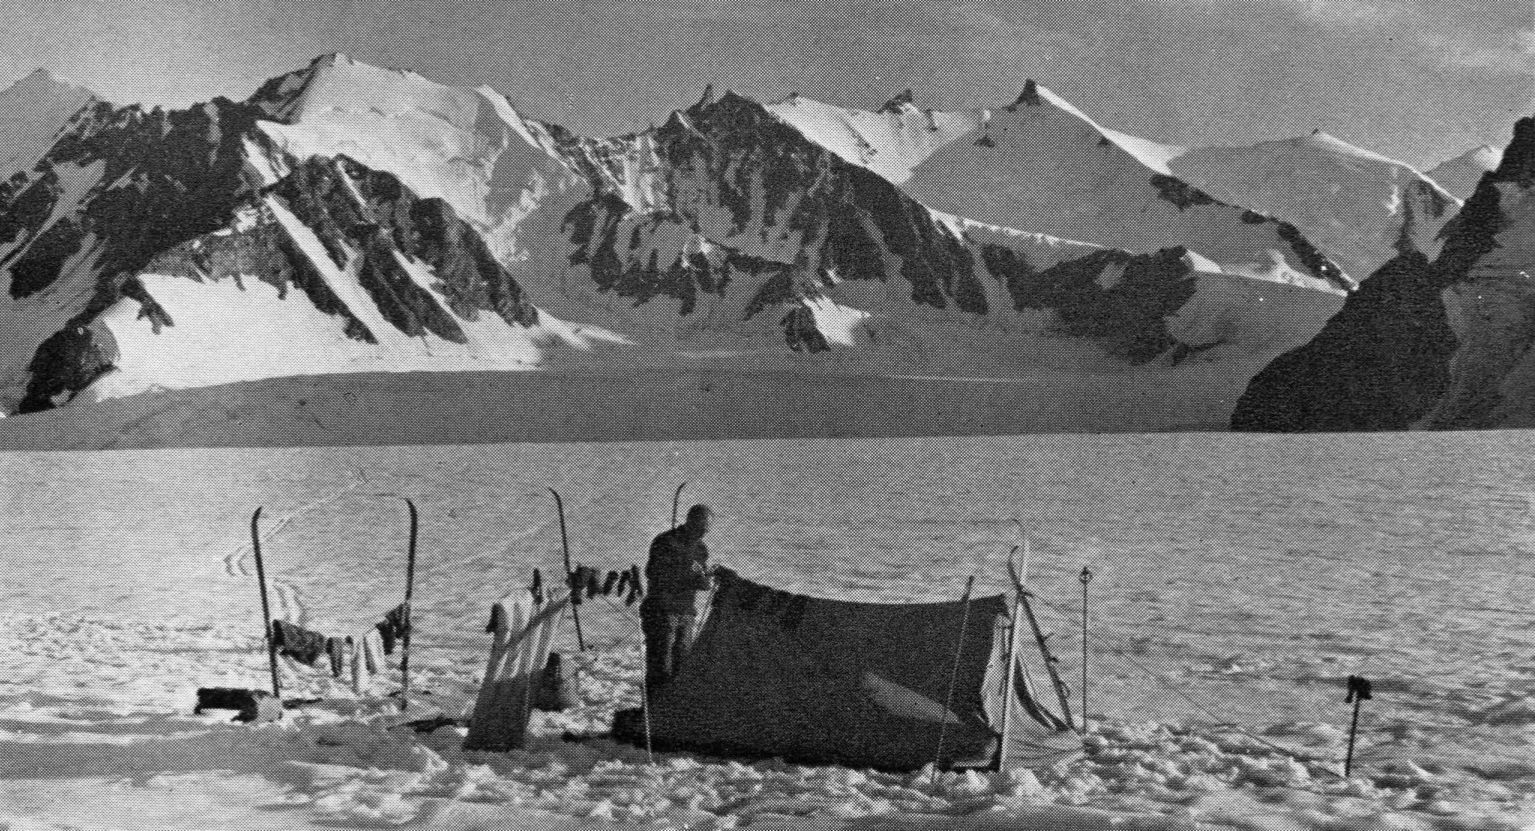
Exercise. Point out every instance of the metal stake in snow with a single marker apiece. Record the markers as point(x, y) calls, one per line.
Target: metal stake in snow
point(959, 648)
point(676, 501)
point(1358, 693)
point(575, 603)
point(266, 610)
point(1086, 577)
point(410, 584)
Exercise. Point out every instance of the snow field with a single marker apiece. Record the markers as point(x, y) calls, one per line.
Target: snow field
point(1223, 627)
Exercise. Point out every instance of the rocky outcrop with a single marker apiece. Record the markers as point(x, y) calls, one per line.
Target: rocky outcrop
point(1379, 364)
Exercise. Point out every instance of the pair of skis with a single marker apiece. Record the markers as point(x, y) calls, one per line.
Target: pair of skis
point(410, 583)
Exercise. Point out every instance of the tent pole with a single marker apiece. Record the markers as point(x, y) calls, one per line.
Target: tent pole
point(959, 648)
point(650, 756)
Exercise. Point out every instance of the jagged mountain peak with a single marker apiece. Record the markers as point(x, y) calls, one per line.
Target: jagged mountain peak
point(1029, 97)
point(36, 80)
point(1040, 102)
point(898, 103)
point(32, 111)
point(337, 82)
point(37, 86)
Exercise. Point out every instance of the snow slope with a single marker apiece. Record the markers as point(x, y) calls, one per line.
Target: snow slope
point(1042, 165)
point(1461, 174)
point(1360, 207)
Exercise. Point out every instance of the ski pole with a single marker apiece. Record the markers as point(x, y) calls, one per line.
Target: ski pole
point(410, 583)
point(266, 610)
point(1358, 693)
point(1086, 577)
point(575, 603)
point(959, 648)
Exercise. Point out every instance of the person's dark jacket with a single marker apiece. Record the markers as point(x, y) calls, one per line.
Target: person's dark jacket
point(678, 569)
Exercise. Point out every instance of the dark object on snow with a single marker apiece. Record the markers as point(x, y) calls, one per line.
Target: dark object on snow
point(556, 687)
point(636, 586)
point(593, 583)
point(609, 582)
point(298, 643)
point(537, 589)
point(393, 627)
point(253, 705)
point(428, 725)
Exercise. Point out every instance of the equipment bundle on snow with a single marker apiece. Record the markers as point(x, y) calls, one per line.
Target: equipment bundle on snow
point(890, 686)
point(524, 630)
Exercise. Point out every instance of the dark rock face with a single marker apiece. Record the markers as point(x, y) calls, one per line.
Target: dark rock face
point(166, 177)
point(731, 159)
point(68, 361)
point(1129, 317)
point(1384, 361)
point(167, 180)
point(160, 178)
point(390, 220)
point(1379, 364)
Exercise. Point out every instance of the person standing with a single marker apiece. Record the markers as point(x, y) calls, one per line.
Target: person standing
point(677, 571)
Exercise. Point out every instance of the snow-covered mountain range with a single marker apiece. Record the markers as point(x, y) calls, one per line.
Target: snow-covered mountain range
point(349, 219)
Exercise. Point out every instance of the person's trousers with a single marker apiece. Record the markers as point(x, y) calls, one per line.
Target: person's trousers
point(666, 642)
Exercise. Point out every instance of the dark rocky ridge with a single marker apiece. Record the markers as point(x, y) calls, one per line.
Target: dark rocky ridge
point(171, 179)
point(850, 221)
point(1379, 364)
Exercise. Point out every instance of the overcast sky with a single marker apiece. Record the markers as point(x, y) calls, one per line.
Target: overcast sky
point(1421, 80)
